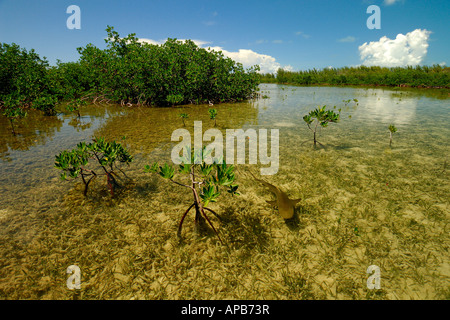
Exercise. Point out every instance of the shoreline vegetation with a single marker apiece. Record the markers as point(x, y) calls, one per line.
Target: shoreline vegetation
point(127, 72)
point(428, 77)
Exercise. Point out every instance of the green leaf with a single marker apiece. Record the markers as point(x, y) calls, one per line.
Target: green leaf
point(233, 189)
point(205, 169)
point(151, 169)
point(212, 113)
point(166, 171)
point(392, 128)
point(307, 119)
point(209, 194)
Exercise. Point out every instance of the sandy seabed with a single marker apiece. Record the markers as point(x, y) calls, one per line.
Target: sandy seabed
point(363, 203)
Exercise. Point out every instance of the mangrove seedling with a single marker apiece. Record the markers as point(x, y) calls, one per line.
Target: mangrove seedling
point(346, 102)
point(75, 105)
point(184, 116)
point(105, 155)
point(321, 117)
point(392, 130)
point(13, 113)
point(11, 108)
point(212, 115)
point(203, 180)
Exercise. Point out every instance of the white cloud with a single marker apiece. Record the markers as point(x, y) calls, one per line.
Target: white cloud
point(304, 35)
point(261, 41)
point(247, 57)
point(151, 41)
point(409, 49)
point(347, 39)
point(209, 23)
point(199, 43)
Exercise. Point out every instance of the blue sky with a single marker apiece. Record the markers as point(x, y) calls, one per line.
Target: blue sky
point(297, 35)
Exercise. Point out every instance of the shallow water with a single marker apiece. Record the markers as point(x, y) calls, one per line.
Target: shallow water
point(356, 177)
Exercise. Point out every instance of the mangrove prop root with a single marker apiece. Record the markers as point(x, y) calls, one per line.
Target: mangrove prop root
point(86, 184)
point(182, 219)
point(212, 226)
point(214, 213)
point(199, 212)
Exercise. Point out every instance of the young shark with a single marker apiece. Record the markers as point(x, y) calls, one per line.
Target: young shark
point(285, 205)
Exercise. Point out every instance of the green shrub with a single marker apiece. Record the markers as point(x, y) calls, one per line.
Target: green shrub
point(106, 155)
point(175, 72)
point(320, 116)
point(46, 104)
point(127, 72)
point(184, 116)
point(174, 99)
point(205, 181)
point(392, 130)
point(434, 76)
point(24, 76)
point(75, 105)
point(13, 112)
point(213, 115)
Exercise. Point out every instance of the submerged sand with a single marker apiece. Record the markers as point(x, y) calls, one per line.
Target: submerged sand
point(363, 203)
